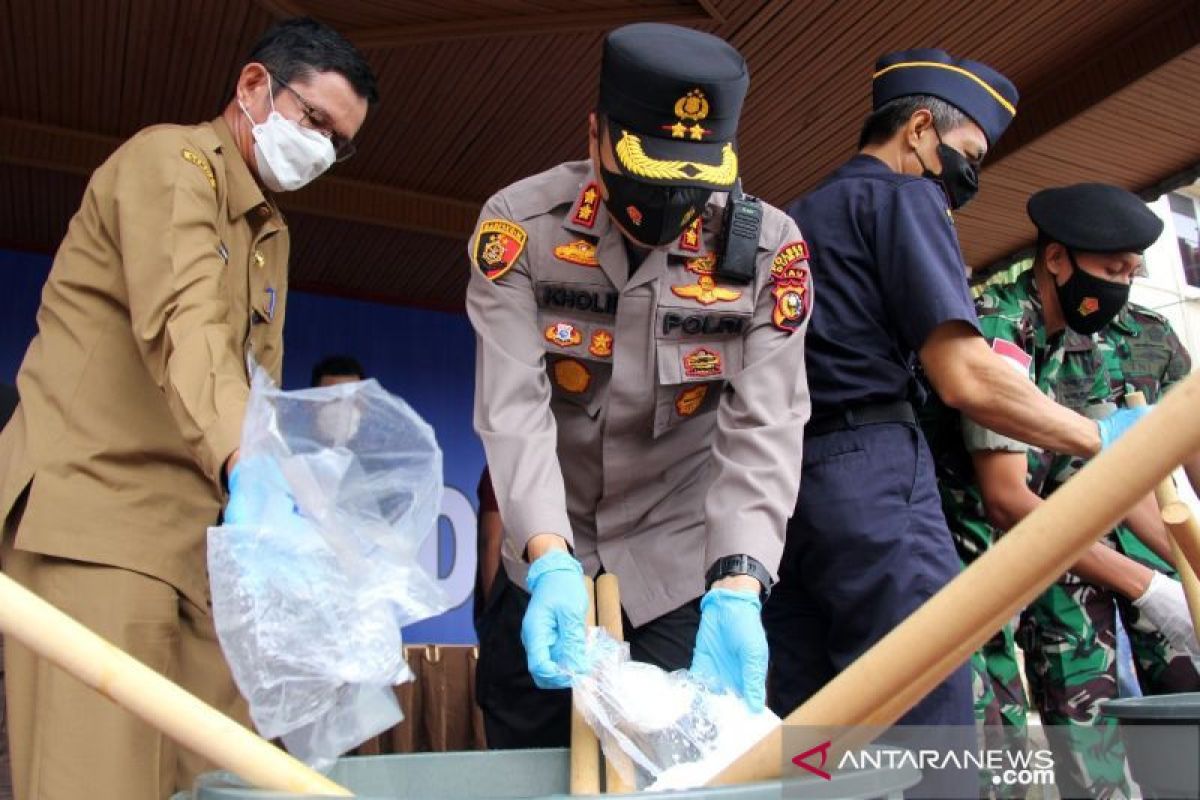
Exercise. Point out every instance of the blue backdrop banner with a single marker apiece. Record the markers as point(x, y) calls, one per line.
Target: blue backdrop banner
point(425, 357)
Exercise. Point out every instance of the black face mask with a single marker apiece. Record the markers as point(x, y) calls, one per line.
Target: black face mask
point(1089, 303)
point(653, 215)
point(959, 180)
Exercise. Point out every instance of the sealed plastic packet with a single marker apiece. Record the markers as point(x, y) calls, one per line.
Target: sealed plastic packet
point(662, 730)
point(313, 583)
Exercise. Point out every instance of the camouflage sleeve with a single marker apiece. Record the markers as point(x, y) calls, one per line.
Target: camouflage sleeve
point(999, 320)
point(977, 438)
point(1180, 363)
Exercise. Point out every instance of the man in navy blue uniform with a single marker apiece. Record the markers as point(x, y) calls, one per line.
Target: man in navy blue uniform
point(868, 543)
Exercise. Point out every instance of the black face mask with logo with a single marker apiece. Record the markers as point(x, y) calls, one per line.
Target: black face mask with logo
point(959, 180)
point(653, 215)
point(1089, 303)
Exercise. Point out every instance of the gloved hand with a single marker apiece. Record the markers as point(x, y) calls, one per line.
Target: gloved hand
point(731, 645)
point(258, 493)
point(1113, 426)
point(553, 628)
point(1165, 606)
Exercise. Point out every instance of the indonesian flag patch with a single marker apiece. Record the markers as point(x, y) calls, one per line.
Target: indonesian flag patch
point(1012, 354)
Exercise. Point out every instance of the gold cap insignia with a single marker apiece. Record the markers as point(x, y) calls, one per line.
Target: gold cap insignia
point(692, 107)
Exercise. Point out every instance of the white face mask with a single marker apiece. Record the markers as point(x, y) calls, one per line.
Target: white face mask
point(288, 154)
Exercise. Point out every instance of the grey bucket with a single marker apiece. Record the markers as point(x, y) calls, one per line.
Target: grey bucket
point(539, 774)
point(1162, 741)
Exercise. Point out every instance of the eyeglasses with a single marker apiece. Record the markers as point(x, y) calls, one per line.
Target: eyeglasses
point(317, 120)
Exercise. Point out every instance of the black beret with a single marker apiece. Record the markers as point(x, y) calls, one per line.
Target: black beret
point(673, 97)
point(1095, 217)
point(979, 91)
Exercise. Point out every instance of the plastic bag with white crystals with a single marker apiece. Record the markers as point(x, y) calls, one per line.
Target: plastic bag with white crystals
point(661, 730)
point(312, 586)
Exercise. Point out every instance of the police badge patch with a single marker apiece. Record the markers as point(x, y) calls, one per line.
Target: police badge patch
point(793, 298)
point(498, 244)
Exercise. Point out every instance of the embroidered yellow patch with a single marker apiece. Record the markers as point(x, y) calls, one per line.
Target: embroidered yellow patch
point(194, 158)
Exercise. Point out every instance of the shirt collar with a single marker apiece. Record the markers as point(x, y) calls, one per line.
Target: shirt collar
point(244, 192)
point(1126, 323)
point(589, 217)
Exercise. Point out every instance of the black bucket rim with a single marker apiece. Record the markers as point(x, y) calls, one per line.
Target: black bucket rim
point(1156, 707)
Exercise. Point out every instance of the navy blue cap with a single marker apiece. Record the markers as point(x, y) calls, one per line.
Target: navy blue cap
point(673, 97)
point(1095, 217)
point(979, 91)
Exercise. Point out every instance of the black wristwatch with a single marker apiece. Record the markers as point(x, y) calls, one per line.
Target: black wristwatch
point(739, 565)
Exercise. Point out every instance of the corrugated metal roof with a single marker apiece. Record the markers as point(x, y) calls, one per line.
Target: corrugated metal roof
point(479, 93)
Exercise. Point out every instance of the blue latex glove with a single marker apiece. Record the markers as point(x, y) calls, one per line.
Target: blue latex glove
point(1113, 426)
point(258, 493)
point(731, 645)
point(553, 628)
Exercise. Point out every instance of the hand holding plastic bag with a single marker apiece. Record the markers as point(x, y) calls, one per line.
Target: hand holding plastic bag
point(315, 570)
point(731, 645)
point(662, 730)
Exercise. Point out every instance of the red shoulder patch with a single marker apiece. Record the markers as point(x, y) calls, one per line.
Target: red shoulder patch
point(498, 244)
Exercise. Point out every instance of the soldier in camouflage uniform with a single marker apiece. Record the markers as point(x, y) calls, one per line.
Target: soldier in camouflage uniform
point(998, 695)
point(1044, 323)
point(1143, 354)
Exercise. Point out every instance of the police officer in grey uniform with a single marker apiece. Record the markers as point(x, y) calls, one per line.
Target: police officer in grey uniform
point(640, 387)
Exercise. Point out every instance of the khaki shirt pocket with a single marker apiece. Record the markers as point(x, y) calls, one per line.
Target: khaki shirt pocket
point(578, 359)
point(691, 376)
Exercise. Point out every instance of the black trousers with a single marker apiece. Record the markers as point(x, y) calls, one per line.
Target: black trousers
point(517, 714)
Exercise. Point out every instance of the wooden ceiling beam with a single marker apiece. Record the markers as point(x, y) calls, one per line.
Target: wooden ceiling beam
point(1103, 71)
point(559, 22)
point(78, 153)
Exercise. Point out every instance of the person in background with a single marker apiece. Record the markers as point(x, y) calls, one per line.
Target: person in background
point(133, 394)
point(1050, 324)
point(332, 370)
point(489, 542)
point(885, 256)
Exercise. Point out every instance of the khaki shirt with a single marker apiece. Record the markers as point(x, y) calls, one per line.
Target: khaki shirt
point(655, 420)
point(134, 388)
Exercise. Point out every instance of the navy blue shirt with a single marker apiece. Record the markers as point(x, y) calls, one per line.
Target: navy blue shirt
point(886, 271)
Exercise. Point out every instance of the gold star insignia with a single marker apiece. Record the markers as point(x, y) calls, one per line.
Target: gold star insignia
point(697, 132)
point(678, 130)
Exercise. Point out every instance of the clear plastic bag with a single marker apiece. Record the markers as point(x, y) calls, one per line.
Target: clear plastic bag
point(661, 730)
point(312, 586)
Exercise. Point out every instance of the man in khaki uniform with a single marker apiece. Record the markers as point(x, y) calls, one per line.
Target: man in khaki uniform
point(641, 399)
point(172, 272)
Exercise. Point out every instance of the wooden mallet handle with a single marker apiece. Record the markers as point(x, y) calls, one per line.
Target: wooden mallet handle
point(904, 666)
point(585, 747)
point(135, 687)
point(608, 608)
point(1181, 524)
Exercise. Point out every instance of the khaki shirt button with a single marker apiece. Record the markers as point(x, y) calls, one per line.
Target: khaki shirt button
point(260, 261)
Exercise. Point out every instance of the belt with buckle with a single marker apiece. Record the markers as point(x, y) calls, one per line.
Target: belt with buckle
point(857, 416)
